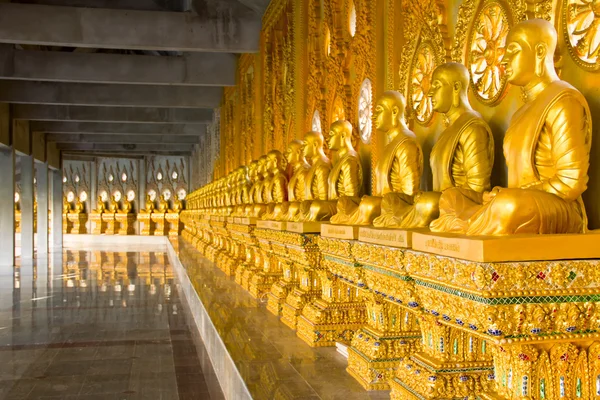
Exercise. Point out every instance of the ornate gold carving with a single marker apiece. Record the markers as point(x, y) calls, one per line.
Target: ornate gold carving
point(581, 27)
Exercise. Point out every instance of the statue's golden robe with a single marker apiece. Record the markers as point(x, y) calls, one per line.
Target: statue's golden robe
point(461, 163)
point(316, 191)
point(296, 193)
point(276, 194)
point(345, 185)
point(547, 149)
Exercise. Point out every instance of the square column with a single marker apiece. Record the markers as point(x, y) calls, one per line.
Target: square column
point(56, 197)
point(7, 207)
point(41, 174)
point(26, 207)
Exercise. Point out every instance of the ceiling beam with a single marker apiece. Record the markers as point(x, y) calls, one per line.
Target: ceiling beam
point(37, 112)
point(124, 139)
point(123, 148)
point(100, 94)
point(147, 5)
point(192, 69)
point(128, 29)
point(127, 128)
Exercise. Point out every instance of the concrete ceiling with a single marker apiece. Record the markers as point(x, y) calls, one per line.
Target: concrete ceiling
point(122, 77)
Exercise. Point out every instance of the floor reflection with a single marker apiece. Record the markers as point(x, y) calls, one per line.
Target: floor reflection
point(273, 362)
point(97, 324)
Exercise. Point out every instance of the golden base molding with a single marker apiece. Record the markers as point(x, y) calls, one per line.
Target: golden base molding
point(125, 223)
point(261, 283)
point(324, 323)
point(295, 303)
point(76, 223)
point(276, 297)
point(147, 225)
point(373, 358)
point(510, 248)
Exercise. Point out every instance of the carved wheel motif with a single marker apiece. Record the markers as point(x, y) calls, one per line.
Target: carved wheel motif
point(582, 31)
point(423, 66)
point(486, 49)
point(365, 111)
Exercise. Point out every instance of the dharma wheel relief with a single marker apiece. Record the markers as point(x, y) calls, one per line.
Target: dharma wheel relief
point(424, 193)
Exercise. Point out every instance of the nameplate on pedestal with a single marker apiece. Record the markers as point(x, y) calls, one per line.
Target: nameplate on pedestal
point(386, 237)
point(230, 220)
point(510, 248)
point(274, 225)
point(303, 227)
point(237, 220)
point(248, 221)
point(348, 232)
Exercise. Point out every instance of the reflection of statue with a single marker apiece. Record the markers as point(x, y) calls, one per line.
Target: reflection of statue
point(163, 205)
point(126, 209)
point(100, 208)
point(149, 205)
point(276, 188)
point(114, 205)
point(547, 146)
point(345, 178)
point(66, 205)
point(462, 158)
point(315, 206)
point(297, 169)
point(79, 207)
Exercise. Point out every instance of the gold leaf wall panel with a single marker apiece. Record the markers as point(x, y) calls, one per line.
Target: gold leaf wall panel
point(315, 56)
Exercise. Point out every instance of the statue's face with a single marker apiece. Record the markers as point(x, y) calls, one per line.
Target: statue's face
point(335, 141)
point(262, 163)
point(292, 153)
point(384, 115)
point(252, 170)
point(441, 92)
point(519, 59)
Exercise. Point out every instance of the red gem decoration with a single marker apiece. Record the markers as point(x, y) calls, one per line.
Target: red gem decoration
point(541, 275)
point(564, 357)
point(523, 357)
point(495, 276)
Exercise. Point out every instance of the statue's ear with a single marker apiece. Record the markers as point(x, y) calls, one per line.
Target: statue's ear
point(395, 111)
point(457, 86)
point(540, 50)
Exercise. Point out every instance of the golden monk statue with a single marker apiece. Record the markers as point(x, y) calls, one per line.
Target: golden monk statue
point(163, 204)
point(315, 206)
point(66, 205)
point(346, 176)
point(276, 188)
point(296, 171)
point(100, 207)
point(177, 206)
point(546, 146)
point(149, 205)
point(250, 193)
point(126, 209)
point(259, 191)
point(114, 204)
point(79, 207)
point(462, 158)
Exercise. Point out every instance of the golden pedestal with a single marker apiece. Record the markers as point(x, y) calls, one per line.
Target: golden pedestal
point(125, 223)
point(340, 311)
point(271, 251)
point(160, 228)
point(77, 222)
point(17, 221)
point(146, 224)
point(175, 226)
point(108, 219)
point(67, 225)
point(98, 226)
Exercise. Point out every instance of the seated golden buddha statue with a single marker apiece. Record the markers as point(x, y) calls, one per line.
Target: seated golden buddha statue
point(249, 192)
point(177, 205)
point(100, 207)
point(398, 171)
point(258, 190)
point(346, 176)
point(114, 205)
point(163, 204)
point(547, 146)
point(126, 209)
point(276, 188)
point(79, 207)
point(297, 167)
point(315, 206)
point(66, 205)
point(149, 205)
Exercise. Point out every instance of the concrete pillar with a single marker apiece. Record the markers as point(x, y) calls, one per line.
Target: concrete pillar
point(41, 174)
point(7, 208)
point(26, 207)
point(56, 196)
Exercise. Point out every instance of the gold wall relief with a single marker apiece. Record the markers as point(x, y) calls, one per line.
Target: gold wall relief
point(581, 28)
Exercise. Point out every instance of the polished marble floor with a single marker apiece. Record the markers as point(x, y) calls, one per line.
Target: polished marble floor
point(96, 323)
point(273, 361)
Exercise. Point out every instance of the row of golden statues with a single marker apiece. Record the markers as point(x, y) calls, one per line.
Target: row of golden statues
point(426, 317)
point(547, 148)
